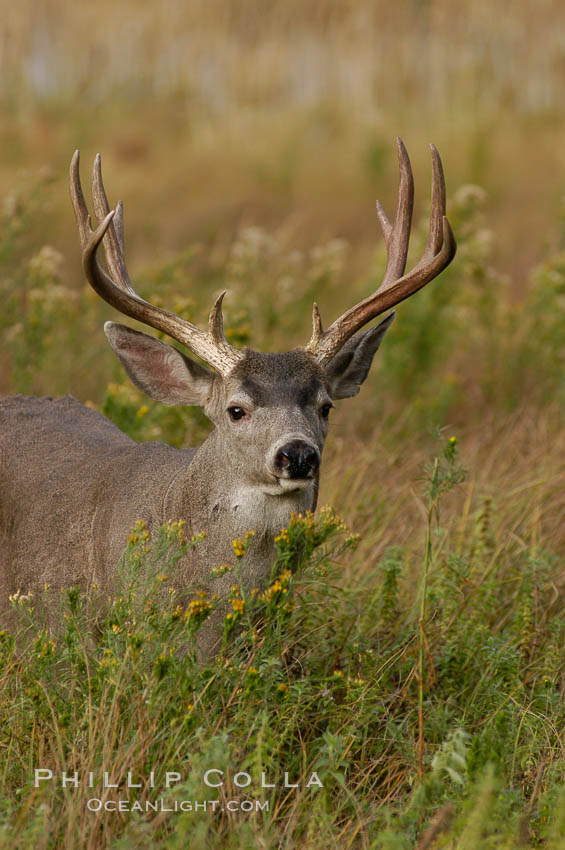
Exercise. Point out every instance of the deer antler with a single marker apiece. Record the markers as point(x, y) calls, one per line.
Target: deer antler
point(116, 288)
point(396, 286)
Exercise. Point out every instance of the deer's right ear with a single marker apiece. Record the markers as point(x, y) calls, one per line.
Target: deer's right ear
point(159, 369)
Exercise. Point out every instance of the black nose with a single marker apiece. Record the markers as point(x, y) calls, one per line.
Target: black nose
point(297, 459)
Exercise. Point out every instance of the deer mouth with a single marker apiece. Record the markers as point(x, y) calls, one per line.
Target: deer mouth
point(285, 486)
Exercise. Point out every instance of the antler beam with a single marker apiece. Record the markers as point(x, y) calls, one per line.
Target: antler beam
point(396, 286)
point(116, 288)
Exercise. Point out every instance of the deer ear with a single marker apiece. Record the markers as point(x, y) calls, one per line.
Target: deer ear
point(350, 366)
point(159, 369)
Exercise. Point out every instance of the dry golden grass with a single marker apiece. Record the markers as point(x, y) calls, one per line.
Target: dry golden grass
point(260, 112)
point(516, 462)
point(220, 55)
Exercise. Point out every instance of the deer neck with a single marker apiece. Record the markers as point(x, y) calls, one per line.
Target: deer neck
point(219, 499)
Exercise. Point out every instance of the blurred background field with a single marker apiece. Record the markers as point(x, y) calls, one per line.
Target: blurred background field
point(249, 142)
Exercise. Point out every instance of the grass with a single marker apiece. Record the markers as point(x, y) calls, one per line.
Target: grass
point(423, 699)
point(419, 670)
point(290, 113)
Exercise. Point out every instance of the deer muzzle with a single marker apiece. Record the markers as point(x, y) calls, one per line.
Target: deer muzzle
point(297, 459)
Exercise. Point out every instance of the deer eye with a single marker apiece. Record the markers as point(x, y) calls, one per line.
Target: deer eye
point(325, 410)
point(236, 412)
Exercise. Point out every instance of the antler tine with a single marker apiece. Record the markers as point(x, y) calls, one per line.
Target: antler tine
point(113, 250)
point(79, 204)
point(396, 286)
point(116, 288)
point(89, 238)
point(397, 236)
point(216, 320)
point(437, 210)
point(119, 227)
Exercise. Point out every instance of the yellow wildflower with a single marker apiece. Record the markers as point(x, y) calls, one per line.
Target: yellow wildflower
point(240, 544)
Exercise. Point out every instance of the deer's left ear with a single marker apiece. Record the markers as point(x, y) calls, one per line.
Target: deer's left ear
point(350, 366)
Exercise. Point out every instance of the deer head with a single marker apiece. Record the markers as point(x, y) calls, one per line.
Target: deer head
point(270, 410)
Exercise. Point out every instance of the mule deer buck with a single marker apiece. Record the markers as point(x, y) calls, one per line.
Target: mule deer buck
point(72, 484)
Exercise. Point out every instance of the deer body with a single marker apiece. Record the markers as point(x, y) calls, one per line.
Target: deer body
point(72, 484)
point(69, 533)
point(85, 483)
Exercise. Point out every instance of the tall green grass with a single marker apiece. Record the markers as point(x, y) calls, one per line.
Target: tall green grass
point(425, 699)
